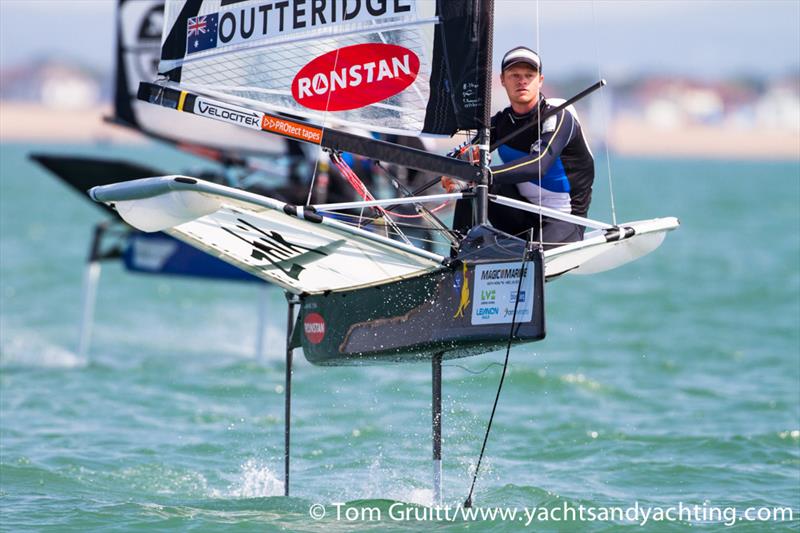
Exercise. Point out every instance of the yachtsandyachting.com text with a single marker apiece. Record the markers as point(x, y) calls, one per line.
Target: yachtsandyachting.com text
point(634, 514)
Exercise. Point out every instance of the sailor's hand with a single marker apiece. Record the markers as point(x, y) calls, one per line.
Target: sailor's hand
point(452, 185)
point(469, 153)
point(449, 184)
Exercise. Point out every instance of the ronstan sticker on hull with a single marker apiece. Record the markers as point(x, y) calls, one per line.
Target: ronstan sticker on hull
point(314, 327)
point(355, 76)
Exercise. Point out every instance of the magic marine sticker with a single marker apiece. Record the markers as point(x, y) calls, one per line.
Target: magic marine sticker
point(280, 18)
point(496, 293)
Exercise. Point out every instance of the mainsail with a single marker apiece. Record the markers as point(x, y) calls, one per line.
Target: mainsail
point(399, 66)
point(139, 29)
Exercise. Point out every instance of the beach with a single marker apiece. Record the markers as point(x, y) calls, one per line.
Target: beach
point(628, 136)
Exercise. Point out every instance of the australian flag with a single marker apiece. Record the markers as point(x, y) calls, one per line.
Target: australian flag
point(201, 33)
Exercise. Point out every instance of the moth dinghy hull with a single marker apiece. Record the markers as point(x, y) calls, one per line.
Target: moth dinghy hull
point(363, 298)
point(474, 305)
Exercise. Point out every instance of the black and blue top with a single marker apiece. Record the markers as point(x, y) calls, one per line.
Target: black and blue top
point(551, 163)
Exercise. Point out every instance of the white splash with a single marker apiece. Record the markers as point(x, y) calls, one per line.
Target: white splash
point(582, 380)
point(22, 348)
point(255, 480)
point(389, 484)
point(418, 496)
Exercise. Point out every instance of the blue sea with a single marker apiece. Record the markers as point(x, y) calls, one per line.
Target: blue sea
point(670, 383)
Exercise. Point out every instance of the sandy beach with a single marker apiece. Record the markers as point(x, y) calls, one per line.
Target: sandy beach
point(21, 122)
point(630, 137)
point(637, 138)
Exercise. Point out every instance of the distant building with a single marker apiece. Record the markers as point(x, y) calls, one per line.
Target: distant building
point(779, 106)
point(52, 84)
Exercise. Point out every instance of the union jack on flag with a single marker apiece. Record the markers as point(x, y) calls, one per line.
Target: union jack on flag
point(201, 33)
point(197, 25)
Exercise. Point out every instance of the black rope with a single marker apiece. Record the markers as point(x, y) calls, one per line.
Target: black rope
point(475, 372)
point(468, 501)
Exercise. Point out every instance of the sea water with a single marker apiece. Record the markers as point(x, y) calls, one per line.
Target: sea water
point(672, 381)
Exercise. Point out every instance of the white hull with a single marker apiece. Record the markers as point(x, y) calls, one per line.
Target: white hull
point(268, 239)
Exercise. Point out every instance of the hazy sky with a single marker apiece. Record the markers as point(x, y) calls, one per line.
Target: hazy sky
point(623, 38)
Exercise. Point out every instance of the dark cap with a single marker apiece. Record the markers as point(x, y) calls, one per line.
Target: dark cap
point(522, 54)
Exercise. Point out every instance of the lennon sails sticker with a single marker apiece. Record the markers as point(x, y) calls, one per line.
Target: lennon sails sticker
point(495, 293)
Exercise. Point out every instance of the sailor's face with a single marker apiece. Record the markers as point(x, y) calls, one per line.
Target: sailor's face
point(522, 83)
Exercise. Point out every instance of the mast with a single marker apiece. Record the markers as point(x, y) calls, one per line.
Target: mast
point(481, 204)
point(123, 110)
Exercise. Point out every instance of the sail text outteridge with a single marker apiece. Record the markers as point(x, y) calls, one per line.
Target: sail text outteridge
point(269, 19)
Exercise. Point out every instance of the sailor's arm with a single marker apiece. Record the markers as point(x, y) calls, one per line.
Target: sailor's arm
point(536, 165)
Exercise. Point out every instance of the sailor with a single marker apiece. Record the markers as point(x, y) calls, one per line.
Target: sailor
point(550, 164)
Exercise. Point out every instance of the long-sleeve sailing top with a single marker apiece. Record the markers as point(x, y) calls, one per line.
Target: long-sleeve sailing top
point(550, 162)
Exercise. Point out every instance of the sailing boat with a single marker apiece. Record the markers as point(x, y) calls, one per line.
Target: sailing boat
point(306, 71)
point(139, 26)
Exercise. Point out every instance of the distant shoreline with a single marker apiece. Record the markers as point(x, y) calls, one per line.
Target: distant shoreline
point(637, 138)
point(21, 122)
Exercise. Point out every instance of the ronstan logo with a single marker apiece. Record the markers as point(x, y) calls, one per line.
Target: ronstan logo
point(355, 76)
point(314, 327)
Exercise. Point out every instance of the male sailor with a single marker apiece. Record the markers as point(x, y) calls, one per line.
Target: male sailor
point(550, 164)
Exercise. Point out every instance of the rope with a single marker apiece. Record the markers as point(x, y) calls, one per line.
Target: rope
point(468, 501)
point(354, 181)
point(475, 372)
point(396, 182)
point(362, 191)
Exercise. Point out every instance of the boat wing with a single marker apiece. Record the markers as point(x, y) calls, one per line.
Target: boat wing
point(83, 173)
point(295, 248)
point(603, 250)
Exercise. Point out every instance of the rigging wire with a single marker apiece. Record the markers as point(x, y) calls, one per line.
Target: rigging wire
point(418, 215)
point(362, 191)
point(321, 151)
point(604, 105)
point(539, 126)
point(525, 254)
